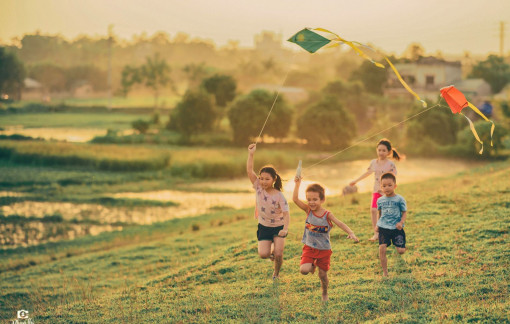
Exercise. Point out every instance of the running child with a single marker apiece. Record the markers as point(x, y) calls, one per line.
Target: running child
point(271, 211)
point(392, 216)
point(379, 166)
point(319, 221)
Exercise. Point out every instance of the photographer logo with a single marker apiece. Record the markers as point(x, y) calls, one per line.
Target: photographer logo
point(23, 318)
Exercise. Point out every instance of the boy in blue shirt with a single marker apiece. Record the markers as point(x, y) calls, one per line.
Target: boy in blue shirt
point(392, 210)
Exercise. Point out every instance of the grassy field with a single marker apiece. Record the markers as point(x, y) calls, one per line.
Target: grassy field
point(205, 269)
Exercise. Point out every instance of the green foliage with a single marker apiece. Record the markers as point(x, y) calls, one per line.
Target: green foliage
point(141, 126)
point(372, 77)
point(327, 124)
point(195, 114)
point(468, 146)
point(129, 77)
point(12, 73)
point(223, 87)
point(249, 112)
point(439, 125)
point(494, 70)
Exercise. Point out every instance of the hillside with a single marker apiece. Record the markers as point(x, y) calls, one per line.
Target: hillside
point(206, 268)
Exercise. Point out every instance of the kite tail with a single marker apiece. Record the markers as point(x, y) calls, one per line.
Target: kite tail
point(404, 83)
point(474, 132)
point(483, 116)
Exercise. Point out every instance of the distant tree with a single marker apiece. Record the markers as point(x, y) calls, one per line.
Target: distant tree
point(155, 74)
point(195, 73)
point(88, 73)
point(248, 113)
point(130, 76)
point(494, 70)
point(194, 114)
point(141, 126)
point(223, 87)
point(438, 125)
point(372, 77)
point(414, 52)
point(327, 124)
point(12, 74)
point(470, 146)
point(51, 76)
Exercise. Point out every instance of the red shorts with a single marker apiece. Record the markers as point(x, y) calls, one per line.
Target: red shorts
point(375, 196)
point(320, 258)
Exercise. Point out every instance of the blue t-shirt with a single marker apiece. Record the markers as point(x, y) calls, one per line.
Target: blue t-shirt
point(391, 211)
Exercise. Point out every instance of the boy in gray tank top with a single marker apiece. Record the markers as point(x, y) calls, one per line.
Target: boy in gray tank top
point(316, 240)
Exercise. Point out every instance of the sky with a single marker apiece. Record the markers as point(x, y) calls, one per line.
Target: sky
point(449, 26)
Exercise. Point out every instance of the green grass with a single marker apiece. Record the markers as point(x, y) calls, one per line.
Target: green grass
point(206, 269)
point(115, 121)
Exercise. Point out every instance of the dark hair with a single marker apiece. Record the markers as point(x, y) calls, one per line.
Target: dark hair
point(389, 175)
point(386, 142)
point(274, 174)
point(318, 189)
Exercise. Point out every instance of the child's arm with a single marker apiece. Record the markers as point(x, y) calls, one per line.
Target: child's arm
point(343, 226)
point(295, 195)
point(402, 220)
point(378, 217)
point(286, 222)
point(249, 163)
point(361, 177)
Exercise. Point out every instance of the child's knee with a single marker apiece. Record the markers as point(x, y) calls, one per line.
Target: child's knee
point(305, 269)
point(323, 275)
point(278, 255)
point(401, 250)
point(382, 248)
point(264, 255)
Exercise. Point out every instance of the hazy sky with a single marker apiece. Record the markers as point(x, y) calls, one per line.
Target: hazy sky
point(451, 26)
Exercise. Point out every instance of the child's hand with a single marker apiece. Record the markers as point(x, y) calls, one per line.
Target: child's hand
point(399, 225)
point(352, 236)
point(297, 180)
point(283, 233)
point(252, 148)
point(352, 183)
point(376, 229)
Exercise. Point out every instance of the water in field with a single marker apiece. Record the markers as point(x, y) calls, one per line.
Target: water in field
point(97, 218)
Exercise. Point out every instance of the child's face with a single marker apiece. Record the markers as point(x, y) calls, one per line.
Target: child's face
point(388, 186)
point(314, 200)
point(266, 181)
point(382, 151)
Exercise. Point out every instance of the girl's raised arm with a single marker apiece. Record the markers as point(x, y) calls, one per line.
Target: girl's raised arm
point(249, 164)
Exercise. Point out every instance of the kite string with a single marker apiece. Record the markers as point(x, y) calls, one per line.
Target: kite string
point(276, 98)
point(367, 138)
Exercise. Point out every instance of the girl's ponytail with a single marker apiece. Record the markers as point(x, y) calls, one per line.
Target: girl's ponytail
point(278, 183)
point(395, 155)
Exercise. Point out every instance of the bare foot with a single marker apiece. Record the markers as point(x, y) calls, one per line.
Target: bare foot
point(324, 297)
point(271, 257)
point(374, 238)
point(276, 277)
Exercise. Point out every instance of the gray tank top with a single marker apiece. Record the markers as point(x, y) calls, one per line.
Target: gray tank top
point(316, 233)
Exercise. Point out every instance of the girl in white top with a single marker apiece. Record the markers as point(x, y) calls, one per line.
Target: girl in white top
point(379, 166)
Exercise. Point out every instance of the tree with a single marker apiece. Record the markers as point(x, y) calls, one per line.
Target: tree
point(223, 87)
point(12, 74)
point(155, 74)
point(130, 76)
point(438, 125)
point(195, 114)
point(372, 77)
point(141, 126)
point(248, 113)
point(414, 52)
point(327, 124)
point(52, 77)
point(494, 70)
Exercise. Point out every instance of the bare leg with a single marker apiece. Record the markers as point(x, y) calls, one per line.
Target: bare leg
point(265, 249)
point(279, 244)
point(323, 276)
point(373, 212)
point(401, 250)
point(384, 259)
point(306, 268)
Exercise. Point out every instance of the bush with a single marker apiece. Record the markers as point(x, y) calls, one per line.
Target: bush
point(141, 126)
point(195, 114)
point(327, 124)
point(467, 145)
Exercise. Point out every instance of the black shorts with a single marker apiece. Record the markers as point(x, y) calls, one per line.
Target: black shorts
point(265, 233)
point(395, 236)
